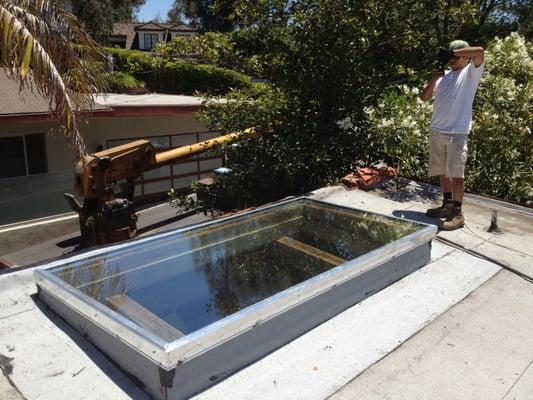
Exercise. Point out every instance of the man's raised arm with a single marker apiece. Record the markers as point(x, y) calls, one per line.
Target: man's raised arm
point(477, 54)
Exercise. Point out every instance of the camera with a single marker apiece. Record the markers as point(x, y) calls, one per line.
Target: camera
point(443, 56)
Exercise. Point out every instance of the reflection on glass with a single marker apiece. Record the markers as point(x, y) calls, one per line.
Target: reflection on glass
point(177, 284)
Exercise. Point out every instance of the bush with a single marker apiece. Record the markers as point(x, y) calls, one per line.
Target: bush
point(398, 131)
point(212, 48)
point(179, 77)
point(122, 82)
point(501, 144)
point(288, 156)
point(134, 62)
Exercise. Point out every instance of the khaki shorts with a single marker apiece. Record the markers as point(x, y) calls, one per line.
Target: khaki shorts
point(447, 154)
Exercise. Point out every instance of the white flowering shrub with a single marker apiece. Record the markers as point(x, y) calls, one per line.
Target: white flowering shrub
point(501, 142)
point(398, 130)
point(500, 155)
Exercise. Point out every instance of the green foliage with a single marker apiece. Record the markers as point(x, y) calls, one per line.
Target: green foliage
point(184, 202)
point(124, 10)
point(260, 163)
point(398, 128)
point(122, 82)
point(221, 196)
point(501, 143)
point(137, 63)
point(325, 60)
point(219, 49)
point(177, 77)
point(180, 77)
point(208, 48)
point(98, 15)
point(287, 156)
point(207, 15)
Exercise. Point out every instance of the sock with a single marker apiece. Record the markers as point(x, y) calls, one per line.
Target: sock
point(457, 204)
point(447, 197)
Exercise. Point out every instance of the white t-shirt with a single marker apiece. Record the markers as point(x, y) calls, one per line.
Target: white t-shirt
point(454, 96)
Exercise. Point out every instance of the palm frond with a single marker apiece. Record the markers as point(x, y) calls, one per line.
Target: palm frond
point(46, 49)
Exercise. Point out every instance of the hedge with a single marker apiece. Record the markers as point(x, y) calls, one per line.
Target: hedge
point(177, 77)
point(133, 62)
point(122, 82)
point(180, 77)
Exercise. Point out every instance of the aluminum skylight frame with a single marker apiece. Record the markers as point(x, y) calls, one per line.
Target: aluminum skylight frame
point(167, 355)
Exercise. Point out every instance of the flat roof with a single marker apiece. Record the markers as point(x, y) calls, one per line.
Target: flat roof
point(25, 102)
point(150, 99)
point(461, 322)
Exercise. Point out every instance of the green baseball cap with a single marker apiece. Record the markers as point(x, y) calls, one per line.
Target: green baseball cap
point(458, 44)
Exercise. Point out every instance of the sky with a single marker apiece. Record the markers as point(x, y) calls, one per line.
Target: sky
point(149, 10)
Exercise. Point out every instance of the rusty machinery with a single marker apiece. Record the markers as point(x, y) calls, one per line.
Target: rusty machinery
point(106, 183)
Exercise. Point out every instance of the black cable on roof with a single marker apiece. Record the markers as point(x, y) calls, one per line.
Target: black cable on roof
point(485, 257)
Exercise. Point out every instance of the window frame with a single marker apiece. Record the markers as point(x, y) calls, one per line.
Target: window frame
point(25, 152)
point(150, 35)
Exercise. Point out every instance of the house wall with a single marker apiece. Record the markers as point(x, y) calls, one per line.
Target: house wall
point(36, 196)
point(98, 131)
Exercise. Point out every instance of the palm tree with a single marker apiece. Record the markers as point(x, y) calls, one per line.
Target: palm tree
point(46, 49)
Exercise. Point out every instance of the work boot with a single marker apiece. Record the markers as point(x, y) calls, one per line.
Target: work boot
point(444, 211)
point(454, 221)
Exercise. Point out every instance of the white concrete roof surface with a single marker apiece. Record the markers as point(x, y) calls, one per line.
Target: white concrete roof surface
point(459, 328)
point(150, 99)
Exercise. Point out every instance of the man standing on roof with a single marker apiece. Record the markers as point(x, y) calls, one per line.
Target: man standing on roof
point(454, 92)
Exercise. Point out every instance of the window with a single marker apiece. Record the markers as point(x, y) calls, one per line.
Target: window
point(22, 155)
point(150, 40)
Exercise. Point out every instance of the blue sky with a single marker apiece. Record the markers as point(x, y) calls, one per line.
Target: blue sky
point(150, 9)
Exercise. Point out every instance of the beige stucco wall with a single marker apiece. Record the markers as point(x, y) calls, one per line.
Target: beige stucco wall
point(99, 130)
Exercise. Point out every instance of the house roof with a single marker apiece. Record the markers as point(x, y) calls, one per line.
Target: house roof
point(149, 26)
point(15, 102)
point(124, 30)
point(16, 105)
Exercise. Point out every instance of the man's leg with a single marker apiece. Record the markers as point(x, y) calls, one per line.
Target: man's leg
point(458, 189)
point(446, 184)
point(437, 166)
point(443, 211)
point(456, 218)
point(447, 187)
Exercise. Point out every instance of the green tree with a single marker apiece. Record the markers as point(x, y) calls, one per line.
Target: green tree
point(327, 60)
point(207, 15)
point(98, 15)
point(124, 10)
point(45, 49)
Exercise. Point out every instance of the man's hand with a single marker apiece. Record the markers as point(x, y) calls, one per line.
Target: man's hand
point(427, 92)
point(436, 75)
